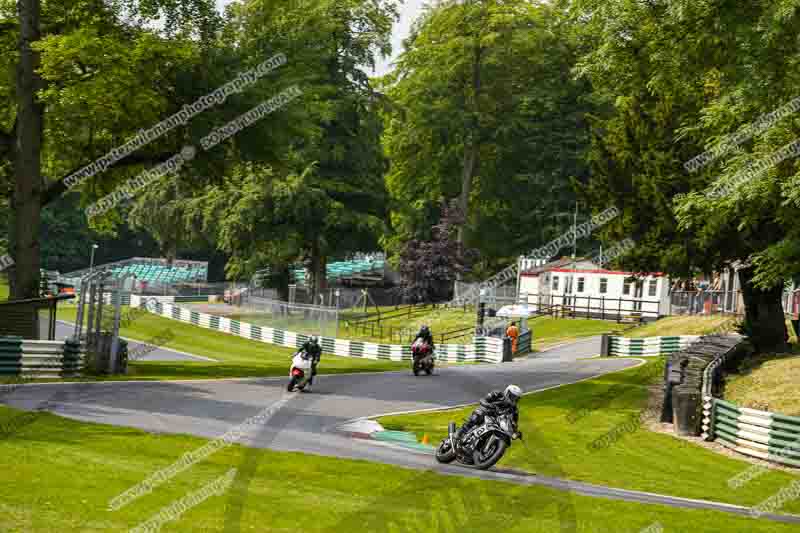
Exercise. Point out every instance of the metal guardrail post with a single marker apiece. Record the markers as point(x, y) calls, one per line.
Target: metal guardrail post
point(605, 345)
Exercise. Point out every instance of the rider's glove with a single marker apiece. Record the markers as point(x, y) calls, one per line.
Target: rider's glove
point(519, 435)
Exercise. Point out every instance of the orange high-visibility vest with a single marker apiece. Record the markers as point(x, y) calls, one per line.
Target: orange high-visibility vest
point(513, 332)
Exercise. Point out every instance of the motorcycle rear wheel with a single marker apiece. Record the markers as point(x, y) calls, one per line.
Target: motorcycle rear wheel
point(485, 461)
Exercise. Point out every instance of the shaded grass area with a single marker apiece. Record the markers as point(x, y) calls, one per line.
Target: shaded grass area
point(237, 357)
point(767, 382)
point(60, 475)
point(569, 419)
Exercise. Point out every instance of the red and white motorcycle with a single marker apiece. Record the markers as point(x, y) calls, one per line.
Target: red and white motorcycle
point(422, 357)
point(300, 371)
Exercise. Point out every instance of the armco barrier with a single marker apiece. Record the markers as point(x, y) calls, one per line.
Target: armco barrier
point(647, 346)
point(45, 359)
point(483, 349)
point(769, 436)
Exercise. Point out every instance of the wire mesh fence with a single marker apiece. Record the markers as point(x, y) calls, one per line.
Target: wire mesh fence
point(705, 303)
point(301, 318)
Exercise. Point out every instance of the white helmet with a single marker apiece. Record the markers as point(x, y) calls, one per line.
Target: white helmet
point(512, 394)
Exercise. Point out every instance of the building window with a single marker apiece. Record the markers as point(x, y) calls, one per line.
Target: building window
point(603, 285)
point(651, 289)
point(555, 283)
point(580, 284)
point(626, 288)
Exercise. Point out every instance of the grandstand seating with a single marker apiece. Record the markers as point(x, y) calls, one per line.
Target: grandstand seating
point(343, 269)
point(153, 271)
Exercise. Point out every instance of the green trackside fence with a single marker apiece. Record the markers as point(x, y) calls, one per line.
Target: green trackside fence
point(646, 346)
point(769, 436)
point(482, 349)
point(42, 359)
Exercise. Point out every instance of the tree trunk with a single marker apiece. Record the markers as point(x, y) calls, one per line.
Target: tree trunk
point(283, 285)
point(765, 322)
point(319, 272)
point(28, 189)
point(472, 144)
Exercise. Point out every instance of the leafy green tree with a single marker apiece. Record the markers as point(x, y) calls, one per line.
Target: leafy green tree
point(78, 87)
point(500, 128)
point(677, 78)
point(326, 147)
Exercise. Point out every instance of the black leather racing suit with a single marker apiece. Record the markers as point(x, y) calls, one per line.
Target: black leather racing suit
point(314, 350)
point(494, 402)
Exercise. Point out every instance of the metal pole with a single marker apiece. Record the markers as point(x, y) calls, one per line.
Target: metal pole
point(117, 312)
point(89, 322)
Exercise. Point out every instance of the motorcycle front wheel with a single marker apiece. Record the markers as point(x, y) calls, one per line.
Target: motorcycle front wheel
point(484, 460)
point(445, 453)
point(292, 383)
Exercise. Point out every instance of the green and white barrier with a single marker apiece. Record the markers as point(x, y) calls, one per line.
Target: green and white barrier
point(483, 349)
point(647, 346)
point(769, 436)
point(43, 359)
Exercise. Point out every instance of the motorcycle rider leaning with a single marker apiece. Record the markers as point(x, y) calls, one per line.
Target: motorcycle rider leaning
point(312, 348)
point(494, 402)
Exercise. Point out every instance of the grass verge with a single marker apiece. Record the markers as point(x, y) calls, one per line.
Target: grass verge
point(237, 357)
point(767, 382)
point(679, 325)
point(570, 418)
point(59, 475)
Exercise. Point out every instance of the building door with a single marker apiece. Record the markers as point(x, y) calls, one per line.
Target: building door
point(568, 291)
point(637, 296)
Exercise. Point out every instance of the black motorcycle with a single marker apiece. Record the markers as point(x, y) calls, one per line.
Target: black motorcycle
point(422, 358)
point(483, 446)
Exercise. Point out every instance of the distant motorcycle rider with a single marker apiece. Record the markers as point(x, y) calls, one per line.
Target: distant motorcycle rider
point(493, 403)
point(426, 335)
point(312, 348)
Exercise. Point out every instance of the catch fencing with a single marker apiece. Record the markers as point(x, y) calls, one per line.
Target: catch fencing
point(40, 359)
point(482, 349)
point(277, 314)
point(646, 346)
